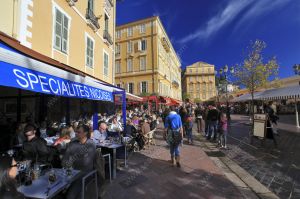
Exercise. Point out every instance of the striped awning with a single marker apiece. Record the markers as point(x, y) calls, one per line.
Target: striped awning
point(292, 92)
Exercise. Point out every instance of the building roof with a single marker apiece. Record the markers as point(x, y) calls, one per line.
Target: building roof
point(136, 22)
point(199, 63)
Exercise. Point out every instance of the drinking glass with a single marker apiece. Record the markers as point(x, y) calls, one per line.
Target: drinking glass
point(51, 176)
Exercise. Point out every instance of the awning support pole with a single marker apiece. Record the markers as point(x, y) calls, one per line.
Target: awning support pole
point(123, 93)
point(297, 117)
point(19, 99)
point(95, 115)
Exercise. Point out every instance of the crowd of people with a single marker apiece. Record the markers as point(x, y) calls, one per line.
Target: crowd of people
point(69, 146)
point(74, 145)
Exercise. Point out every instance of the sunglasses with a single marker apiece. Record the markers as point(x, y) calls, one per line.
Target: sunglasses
point(15, 165)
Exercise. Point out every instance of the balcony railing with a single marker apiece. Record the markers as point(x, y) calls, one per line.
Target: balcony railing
point(71, 2)
point(107, 36)
point(111, 2)
point(92, 19)
point(165, 44)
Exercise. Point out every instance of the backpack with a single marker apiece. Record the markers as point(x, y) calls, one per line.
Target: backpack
point(173, 136)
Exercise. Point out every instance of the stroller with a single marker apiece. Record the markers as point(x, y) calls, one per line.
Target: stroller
point(136, 141)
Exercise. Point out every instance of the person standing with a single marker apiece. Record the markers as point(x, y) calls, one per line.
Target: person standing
point(223, 130)
point(189, 128)
point(199, 113)
point(212, 117)
point(174, 135)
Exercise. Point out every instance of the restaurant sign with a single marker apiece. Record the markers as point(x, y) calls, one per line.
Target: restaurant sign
point(41, 81)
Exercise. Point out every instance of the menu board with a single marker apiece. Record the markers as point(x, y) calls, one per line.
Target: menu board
point(259, 129)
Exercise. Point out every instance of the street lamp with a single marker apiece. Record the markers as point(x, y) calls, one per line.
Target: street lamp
point(224, 74)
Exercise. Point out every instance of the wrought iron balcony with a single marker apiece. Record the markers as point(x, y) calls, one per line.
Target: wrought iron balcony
point(71, 2)
point(92, 19)
point(165, 44)
point(107, 36)
point(111, 2)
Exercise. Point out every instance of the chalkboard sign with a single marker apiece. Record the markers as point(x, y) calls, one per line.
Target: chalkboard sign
point(259, 125)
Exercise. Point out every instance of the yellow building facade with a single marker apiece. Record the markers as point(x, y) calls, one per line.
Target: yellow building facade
point(77, 33)
point(199, 81)
point(145, 60)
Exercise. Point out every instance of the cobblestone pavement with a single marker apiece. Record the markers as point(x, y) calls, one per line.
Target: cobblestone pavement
point(150, 175)
point(276, 168)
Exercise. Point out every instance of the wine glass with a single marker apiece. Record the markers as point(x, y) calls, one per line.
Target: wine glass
point(51, 176)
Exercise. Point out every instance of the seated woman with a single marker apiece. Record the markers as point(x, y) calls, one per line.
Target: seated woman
point(115, 126)
point(8, 173)
point(64, 138)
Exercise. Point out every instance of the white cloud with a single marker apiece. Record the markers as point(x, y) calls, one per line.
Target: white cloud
point(217, 22)
point(260, 8)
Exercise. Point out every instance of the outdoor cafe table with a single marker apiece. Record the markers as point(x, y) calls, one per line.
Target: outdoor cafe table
point(113, 147)
point(39, 187)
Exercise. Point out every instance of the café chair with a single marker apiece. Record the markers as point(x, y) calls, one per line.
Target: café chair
point(87, 182)
point(109, 164)
point(101, 162)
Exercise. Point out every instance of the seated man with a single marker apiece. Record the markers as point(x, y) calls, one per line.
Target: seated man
point(81, 151)
point(34, 148)
point(80, 155)
point(101, 134)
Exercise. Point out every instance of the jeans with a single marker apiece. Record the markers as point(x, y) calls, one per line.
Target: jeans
point(174, 150)
point(189, 133)
point(213, 129)
point(224, 138)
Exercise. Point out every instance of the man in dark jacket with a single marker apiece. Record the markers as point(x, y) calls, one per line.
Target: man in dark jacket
point(34, 148)
point(212, 118)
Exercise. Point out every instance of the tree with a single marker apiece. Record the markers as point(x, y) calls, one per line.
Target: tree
point(185, 96)
point(254, 73)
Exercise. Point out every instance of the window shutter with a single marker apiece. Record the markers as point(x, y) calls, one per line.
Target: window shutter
point(139, 45)
point(65, 34)
point(58, 29)
point(146, 87)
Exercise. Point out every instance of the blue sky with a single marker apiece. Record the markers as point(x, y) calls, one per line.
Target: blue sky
point(219, 31)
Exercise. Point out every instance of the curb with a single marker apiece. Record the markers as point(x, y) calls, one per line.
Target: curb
point(246, 183)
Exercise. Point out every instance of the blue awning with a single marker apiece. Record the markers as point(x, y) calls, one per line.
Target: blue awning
point(19, 71)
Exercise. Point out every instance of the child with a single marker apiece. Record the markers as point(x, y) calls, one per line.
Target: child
point(223, 130)
point(189, 128)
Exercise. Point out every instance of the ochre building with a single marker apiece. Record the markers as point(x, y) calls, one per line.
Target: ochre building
point(146, 62)
point(199, 82)
point(76, 33)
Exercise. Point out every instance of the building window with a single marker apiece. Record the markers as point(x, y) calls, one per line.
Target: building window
point(129, 32)
point(105, 64)
point(191, 88)
point(130, 88)
point(118, 67)
point(129, 47)
point(198, 87)
point(142, 63)
point(144, 45)
point(106, 22)
point(89, 52)
point(129, 65)
point(191, 70)
point(118, 34)
point(142, 28)
point(144, 87)
point(118, 49)
point(61, 31)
